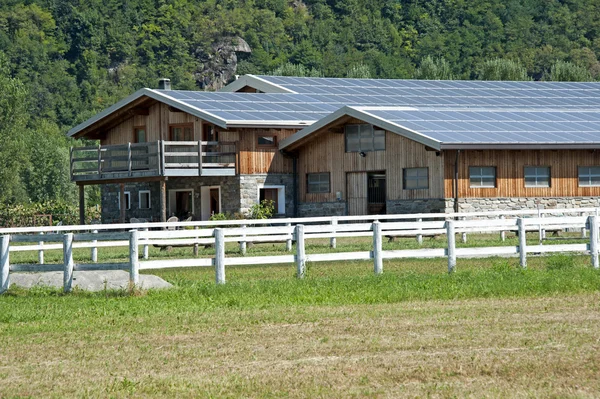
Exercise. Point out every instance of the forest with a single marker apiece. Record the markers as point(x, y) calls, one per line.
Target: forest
point(62, 61)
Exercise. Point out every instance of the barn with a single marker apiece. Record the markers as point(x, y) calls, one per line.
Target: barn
point(321, 146)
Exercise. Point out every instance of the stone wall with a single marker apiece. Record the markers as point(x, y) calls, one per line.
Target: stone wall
point(110, 202)
point(316, 209)
point(249, 186)
point(501, 204)
point(415, 206)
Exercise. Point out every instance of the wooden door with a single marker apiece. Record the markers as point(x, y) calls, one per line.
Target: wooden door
point(356, 193)
point(270, 194)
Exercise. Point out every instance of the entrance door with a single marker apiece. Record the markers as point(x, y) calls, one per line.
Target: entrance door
point(356, 189)
point(270, 194)
point(181, 203)
point(210, 201)
point(376, 193)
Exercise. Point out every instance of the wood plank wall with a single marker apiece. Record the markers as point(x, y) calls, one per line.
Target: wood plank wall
point(510, 166)
point(326, 153)
point(254, 159)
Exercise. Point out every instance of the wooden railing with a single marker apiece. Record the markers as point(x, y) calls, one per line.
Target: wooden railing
point(160, 158)
point(299, 230)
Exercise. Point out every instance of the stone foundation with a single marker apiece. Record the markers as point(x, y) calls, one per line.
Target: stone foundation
point(316, 209)
point(110, 202)
point(508, 204)
point(398, 207)
point(250, 184)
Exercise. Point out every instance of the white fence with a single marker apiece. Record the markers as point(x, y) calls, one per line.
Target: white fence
point(289, 230)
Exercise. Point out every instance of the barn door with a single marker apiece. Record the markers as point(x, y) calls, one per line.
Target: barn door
point(356, 189)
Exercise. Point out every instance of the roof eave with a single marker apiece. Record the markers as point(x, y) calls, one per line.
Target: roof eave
point(257, 83)
point(520, 146)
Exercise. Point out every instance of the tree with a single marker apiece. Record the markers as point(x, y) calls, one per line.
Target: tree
point(289, 69)
point(359, 71)
point(13, 118)
point(502, 69)
point(434, 69)
point(564, 71)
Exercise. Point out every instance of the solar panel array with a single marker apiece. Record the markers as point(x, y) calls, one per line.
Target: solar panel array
point(497, 126)
point(252, 107)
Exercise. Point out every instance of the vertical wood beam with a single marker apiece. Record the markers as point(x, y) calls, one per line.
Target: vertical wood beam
point(163, 201)
point(122, 202)
point(81, 204)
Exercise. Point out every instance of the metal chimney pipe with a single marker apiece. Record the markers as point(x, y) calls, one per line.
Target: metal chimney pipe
point(164, 84)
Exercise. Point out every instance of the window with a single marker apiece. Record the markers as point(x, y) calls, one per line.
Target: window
point(267, 141)
point(145, 199)
point(181, 132)
point(317, 183)
point(364, 138)
point(482, 176)
point(589, 176)
point(537, 176)
point(139, 134)
point(127, 200)
point(416, 178)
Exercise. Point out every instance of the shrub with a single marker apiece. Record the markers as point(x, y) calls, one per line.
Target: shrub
point(38, 214)
point(263, 210)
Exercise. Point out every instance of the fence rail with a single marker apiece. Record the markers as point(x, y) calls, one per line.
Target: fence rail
point(452, 226)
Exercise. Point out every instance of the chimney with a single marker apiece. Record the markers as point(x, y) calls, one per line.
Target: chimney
point(164, 84)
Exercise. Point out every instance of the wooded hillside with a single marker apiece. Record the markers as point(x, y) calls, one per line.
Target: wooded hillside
point(63, 61)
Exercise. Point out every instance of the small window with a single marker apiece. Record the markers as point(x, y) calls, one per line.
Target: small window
point(267, 141)
point(416, 178)
point(145, 199)
point(181, 132)
point(537, 176)
point(482, 176)
point(589, 176)
point(139, 134)
point(317, 183)
point(364, 138)
point(127, 200)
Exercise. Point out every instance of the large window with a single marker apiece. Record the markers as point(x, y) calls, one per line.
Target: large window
point(364, 138)
point(482, 176)
point(317, 183)
point(415, 178)
point(145, 199)
point(139, 134)
point(184, 132)
point(537, 176)
point(589, 176)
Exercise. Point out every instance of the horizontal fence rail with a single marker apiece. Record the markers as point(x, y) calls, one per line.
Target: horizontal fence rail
point(217, 234)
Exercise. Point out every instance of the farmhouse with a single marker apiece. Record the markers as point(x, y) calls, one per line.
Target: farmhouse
point(319, 146)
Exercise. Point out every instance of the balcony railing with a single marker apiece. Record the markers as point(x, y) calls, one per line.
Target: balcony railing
point(159, 158)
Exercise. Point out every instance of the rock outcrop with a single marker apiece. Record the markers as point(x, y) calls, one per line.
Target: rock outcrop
point(218, 66)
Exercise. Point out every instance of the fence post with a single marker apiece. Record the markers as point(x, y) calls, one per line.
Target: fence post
point(196, 246)
point(134, 258)
point(300, 254)
point(333, 240)
point(288, 242)
point(146, 254)
point(243, 244)
point(94, 248)
point(503, 232)
point(41, 251)
point(464, 235)
point(584, 229)
point(419, 236)
point(522, 243)
point(593, 221)
point(377, 248)
point(219, 256)
point(68, 262)
point(4, 263)
point(450, 233)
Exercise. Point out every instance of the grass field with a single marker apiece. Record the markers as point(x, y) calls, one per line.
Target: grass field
point(489, 330)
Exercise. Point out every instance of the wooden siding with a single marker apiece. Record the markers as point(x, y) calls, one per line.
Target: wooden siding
point(564, 180)
point(254, 159)
point(326, 153)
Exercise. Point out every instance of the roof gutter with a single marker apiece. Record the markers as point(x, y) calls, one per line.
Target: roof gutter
point(520, 146)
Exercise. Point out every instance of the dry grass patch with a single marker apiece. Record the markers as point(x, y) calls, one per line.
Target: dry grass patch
point(527, 347)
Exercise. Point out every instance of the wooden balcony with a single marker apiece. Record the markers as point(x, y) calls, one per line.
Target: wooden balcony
point(155, 159)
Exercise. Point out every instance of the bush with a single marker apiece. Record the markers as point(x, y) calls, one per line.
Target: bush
point(39, 214)
point(263, 210)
